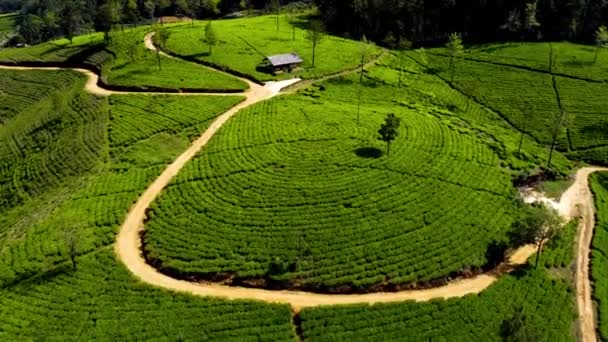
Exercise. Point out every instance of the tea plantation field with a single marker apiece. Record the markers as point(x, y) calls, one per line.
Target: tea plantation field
point(244, 43)
point(339, 179)
point(7, 23)
point(83, 168)
point(125, 62)
point(599, 259)
point(295, 192)
point(93, 178)
point(531, 84)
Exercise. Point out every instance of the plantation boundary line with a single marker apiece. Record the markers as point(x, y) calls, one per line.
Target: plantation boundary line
point(492, 110)
point(527, 68)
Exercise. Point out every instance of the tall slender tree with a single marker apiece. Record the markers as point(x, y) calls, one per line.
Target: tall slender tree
point(601, 40)
point(366, 47)
point(455, 49)
point(315, 34)
point(210, 37)
point(524, 110)
point(161, 36)
point(71, 19)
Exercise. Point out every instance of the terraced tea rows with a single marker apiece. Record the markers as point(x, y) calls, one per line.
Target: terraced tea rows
point(293, 195)
point(102, 302)
point(64, 163)
point(545, 97)
point(136, 117)
point(545, 303)
point(243, 44)
point(125, 62)
point(51, 131)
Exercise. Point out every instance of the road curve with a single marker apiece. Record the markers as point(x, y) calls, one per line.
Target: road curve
point(128, 249)
point(92, 86)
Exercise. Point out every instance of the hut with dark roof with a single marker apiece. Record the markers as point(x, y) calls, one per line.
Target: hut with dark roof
point(284, 62)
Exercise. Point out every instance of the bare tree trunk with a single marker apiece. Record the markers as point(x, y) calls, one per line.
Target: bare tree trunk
point(158, 55)
point(554, 140)
point(540, 246)
point(521, 141)
point(359, 105)
point(400, 69)
point(314, 47)
point(597, 50)
point(73, 259)
point(388, 148)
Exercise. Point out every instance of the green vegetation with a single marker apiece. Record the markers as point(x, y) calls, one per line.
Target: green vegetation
point(599, 252)
point(295, 191)
point(101, 301)
point(533, 86)
point(125, 62)
point(544, 296)
point(547, 304)
point(7, 23)
point(75, 160)
point(243, 44)
point(70, 159)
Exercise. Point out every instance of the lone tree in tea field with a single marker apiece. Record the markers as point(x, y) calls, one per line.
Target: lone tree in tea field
point(161, 35)
point(70, 238)
point(389, 131)
point(524, 108)
point(601, 40)
point(536, 225)
point(365, 50)
point(455, 49)
point(560, 120)
point(315, 35)
point(210, 38)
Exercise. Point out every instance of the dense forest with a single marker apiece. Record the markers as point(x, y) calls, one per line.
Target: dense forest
point(477, 20)
point(384, 21)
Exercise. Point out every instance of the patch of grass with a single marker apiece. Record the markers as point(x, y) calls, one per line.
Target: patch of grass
point(244, 43)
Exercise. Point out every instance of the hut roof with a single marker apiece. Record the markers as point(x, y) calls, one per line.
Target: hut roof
point(284, 59)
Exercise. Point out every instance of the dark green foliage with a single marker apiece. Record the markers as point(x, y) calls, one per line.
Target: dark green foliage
point(389, 130)
point(599, 252)
point(102, 301)
point(74, 161)
point(545, 304)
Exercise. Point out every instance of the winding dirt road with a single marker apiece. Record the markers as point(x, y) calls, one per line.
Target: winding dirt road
point(577, 200)
point(128, 249)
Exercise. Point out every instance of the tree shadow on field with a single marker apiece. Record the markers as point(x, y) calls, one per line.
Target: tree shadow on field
point(40, 278)
point(369, 152)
